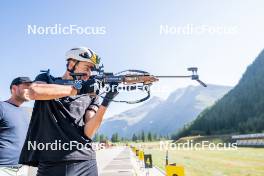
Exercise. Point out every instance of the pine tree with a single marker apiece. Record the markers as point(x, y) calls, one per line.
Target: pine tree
point(102, 138)
point(143, 137)
point(149, 136)
point(134, 138)
point(115, 137)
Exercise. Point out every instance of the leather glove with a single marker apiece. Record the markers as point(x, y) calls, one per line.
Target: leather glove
point(110, 95)
point(89, 87)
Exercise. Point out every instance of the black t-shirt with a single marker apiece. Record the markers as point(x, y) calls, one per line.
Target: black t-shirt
point(56, 129)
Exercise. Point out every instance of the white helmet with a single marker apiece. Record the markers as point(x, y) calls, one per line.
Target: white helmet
point(83, 54)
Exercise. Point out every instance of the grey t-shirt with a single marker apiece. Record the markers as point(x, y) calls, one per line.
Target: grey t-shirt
point(14, 123)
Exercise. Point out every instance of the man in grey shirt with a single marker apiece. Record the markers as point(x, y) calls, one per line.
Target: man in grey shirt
point(14, 121)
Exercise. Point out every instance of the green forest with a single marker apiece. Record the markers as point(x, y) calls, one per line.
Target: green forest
point(240, 111)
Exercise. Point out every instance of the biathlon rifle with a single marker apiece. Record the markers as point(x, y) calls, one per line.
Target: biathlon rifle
point(136, 79)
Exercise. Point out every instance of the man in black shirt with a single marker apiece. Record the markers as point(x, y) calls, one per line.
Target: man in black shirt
point(64, 120)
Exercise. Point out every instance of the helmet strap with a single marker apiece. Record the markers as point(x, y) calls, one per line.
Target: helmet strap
point(73, 68)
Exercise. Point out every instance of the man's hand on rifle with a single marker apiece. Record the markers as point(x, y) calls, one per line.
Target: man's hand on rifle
point(89, 87)
point(110, 95)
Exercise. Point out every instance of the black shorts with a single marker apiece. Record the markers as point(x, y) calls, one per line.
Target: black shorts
point(68, 168)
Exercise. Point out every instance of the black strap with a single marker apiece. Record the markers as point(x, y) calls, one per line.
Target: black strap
point(73, 68)
point(90, 109)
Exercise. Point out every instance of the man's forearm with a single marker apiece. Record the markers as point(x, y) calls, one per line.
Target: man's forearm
point(94, 123)
point(49, 91)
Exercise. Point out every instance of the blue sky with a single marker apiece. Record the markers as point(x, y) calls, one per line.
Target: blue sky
point(133, 38)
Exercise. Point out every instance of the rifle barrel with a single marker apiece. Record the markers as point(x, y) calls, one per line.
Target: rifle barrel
point(170, 76)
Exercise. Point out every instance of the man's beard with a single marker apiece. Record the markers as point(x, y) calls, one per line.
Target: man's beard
point(21, 97)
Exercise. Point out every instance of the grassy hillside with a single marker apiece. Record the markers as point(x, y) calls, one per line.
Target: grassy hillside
point(239, 111)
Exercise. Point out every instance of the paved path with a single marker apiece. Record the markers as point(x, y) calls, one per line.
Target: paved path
point(121, 165)
point(104, 157)
point(118, 161)
point(126, 164)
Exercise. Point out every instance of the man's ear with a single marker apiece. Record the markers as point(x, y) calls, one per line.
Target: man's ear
point(70, 64)
point(13, 89)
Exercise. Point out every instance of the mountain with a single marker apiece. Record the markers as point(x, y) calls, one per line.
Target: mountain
point(122, 122)
point(239, 111)
point(164, 117)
